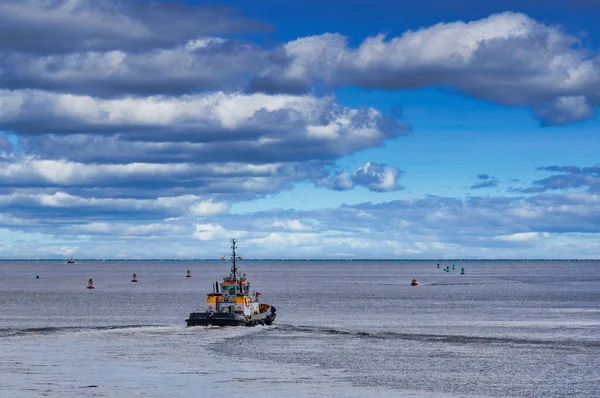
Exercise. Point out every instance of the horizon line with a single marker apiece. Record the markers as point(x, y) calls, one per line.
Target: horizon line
point(304, 259)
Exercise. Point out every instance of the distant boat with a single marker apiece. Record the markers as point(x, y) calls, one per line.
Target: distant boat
point(71, 261)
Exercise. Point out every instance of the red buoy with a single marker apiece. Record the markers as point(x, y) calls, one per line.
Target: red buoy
point(189, 274)
point(414, 283)
point(134, 278)
point(90, 284)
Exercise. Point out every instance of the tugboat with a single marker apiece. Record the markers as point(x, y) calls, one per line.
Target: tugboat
point(234, 305)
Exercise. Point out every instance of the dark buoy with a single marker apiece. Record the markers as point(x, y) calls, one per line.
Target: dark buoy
point(189, 274)
point(37, 277)
point(134, 278)
point(414, 283)
point(462, 271)
point(438, 265)
point(453, 268)
point(90, 284)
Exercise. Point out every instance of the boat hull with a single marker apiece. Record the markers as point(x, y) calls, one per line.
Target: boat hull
point(226, 319)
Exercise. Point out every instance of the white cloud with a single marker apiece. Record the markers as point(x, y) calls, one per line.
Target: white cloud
point(275, 239)
point(507, 58)
point(125, 230)
point(566, 109)
point(523, 237)
point(294, 225)
point(215, 232)
point(208, 208)
point(375, 176)
point(32, 170)
point(200, 118)
point(60, 200)
point(203, 42)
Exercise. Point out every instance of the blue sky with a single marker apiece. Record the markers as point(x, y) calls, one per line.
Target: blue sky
point(306, 129)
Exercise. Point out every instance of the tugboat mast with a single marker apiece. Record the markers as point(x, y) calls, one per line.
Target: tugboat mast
point(233, 260)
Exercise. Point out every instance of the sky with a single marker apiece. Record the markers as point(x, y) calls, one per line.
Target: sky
point(306, 129)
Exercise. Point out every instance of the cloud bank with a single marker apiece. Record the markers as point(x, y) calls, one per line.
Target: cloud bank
point(139, 120)
point(507, 58)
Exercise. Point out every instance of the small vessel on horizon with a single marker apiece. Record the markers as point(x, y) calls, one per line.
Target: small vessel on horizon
point(234, 304)
point(70, 261)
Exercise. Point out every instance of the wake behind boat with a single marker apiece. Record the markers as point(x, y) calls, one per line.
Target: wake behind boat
point(234, 304)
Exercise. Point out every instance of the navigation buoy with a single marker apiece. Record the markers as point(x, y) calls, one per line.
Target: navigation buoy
point(189, 274)
point(462, 271)
point(37, 277)
point(453, 268)
point(134, 278)
point(438, 265)
point(90, 284)
point(414, 283)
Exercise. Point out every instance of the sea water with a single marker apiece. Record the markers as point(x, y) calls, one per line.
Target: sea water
point(343, 329)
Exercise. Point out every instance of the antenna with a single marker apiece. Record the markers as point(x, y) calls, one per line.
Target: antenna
point(233, 259)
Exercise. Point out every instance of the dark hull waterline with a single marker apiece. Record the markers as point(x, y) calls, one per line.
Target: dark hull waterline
point(216, 319)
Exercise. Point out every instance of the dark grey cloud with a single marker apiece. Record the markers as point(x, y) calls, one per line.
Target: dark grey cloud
point(485, 184)
point(221, 181)
point(276, 84)
point(5, 145)
point(485, 181)
point(68, 26)
point(507, 58)
point(593, 170)
point(573, 177)
point(38, 189)
point(197, 118)
point(256, 129)
point(208, 63)
point(568, 109)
